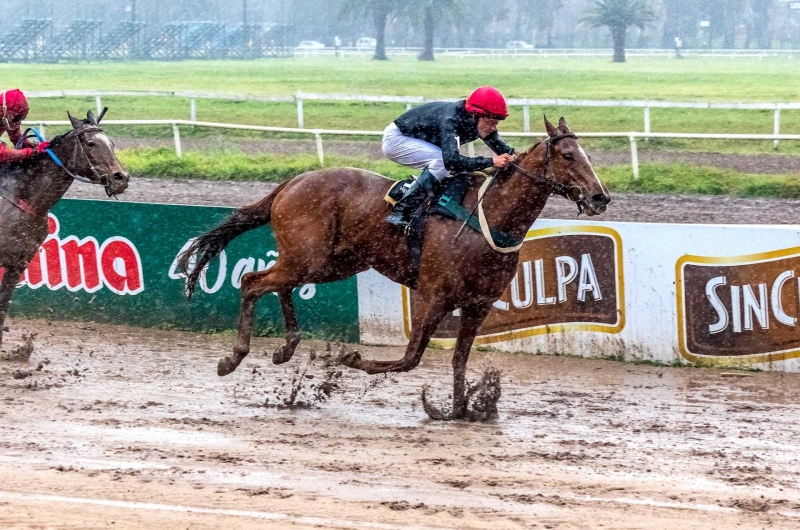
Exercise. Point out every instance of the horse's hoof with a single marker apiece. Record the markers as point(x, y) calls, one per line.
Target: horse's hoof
point(351, 360)
point(281, 355)
point(225, 367)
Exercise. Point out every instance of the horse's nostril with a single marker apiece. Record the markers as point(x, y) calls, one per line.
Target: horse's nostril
point(599, 197)
point(118, 176)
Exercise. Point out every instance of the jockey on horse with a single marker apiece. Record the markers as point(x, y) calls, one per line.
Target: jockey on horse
point(14, 109)
point(428, 137)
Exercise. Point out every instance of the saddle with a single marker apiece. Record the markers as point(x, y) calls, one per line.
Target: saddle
point(447, 204)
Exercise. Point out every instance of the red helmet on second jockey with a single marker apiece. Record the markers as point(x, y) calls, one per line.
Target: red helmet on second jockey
point(13, 105)
point(487, 101)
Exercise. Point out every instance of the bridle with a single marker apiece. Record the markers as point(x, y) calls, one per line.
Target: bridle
point(571, 193)
point(99, 180)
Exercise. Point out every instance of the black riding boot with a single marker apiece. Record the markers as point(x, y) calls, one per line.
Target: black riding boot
point(423, 188)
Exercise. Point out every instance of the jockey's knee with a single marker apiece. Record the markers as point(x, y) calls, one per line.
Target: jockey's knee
point(437, 169)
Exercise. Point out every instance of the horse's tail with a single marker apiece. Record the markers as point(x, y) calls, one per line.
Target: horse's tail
point(210, 245)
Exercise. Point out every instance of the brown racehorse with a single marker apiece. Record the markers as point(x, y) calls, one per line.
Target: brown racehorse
point(31, 187)
point(329, 225)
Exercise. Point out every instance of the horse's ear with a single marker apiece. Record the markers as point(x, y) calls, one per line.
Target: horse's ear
point(90, 118)
point(551, 129)
point(100, 118)
point(76, 123)
point(563, 127)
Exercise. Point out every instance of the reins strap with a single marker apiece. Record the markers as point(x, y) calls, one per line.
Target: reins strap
point(485, 230)
point(60, 164)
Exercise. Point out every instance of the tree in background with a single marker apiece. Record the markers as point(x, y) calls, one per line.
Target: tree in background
point(759, 23)
point(379, 10)
point(543, 13)
point(428, 12)
point(618, 15)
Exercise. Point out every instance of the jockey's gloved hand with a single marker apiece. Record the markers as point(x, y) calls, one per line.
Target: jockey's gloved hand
point(501, 161)
point(41, 147)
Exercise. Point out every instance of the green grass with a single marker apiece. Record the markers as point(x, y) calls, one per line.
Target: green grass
point(691, 79)
point(654, 178)
point(592, 78)
point(235, 165)
point(681, 178)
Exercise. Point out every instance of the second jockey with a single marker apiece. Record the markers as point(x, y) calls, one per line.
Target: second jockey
point(428, 138)
point(14, 109)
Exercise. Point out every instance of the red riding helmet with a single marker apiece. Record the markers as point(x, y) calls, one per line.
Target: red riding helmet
point(12, 102)
point(487, 101)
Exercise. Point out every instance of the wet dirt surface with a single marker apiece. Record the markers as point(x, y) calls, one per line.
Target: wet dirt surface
point(130, 427)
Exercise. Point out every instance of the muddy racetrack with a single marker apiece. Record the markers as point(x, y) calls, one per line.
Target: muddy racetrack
point(114, 427)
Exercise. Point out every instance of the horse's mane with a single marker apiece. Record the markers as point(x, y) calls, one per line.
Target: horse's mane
point(503, 173)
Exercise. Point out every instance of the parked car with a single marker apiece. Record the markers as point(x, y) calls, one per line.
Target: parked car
point(310, 45)
point(519, 45)
point(366, 43)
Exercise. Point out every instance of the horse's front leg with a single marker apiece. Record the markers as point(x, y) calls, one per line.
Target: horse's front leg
point(430, 312)
point(7, 286)
point(471, 318)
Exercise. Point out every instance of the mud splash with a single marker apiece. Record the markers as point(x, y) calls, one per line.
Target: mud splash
point(482, 399)
point(21, 353)
point(304, 389)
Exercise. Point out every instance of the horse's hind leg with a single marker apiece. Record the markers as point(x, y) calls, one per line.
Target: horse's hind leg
point(284, 353)
point(7, 286)
point(278, 279)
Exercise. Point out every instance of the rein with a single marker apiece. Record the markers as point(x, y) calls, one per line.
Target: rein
point(99, 180)
point(549, 180)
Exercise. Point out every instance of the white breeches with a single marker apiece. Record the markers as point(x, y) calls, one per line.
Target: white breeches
point(412, 152)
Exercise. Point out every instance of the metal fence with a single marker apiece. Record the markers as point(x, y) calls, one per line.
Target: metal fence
point(544, 52)
point(526, 103)
point(318, 134)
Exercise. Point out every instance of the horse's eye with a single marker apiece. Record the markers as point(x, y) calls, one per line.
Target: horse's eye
point(568, 156)
point(92, 143)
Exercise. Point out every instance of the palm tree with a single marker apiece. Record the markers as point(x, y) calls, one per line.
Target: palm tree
point(379, 10)
point(428, 12)
point(618, 15)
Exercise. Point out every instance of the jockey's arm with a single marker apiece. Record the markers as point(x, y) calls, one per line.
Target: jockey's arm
point(14, 136)
point(453, 160)
point(497, 145)
point(12, 155)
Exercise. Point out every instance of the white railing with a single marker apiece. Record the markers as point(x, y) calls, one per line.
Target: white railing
point(318, 133)
point(541, 52)
point(409, 101)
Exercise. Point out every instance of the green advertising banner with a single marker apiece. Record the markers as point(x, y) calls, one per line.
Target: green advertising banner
point(114, 262)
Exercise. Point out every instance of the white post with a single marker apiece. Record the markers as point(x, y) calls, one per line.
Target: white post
point(634, 157)
point(177, 135)
point(471, 149)
point(193, 105)
point(647, 122)
point(320, 152)
point(777, 128)
point(99, 104)
point(300, 119)
point(42, 130)
point(408, 106)
point(526, 117)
